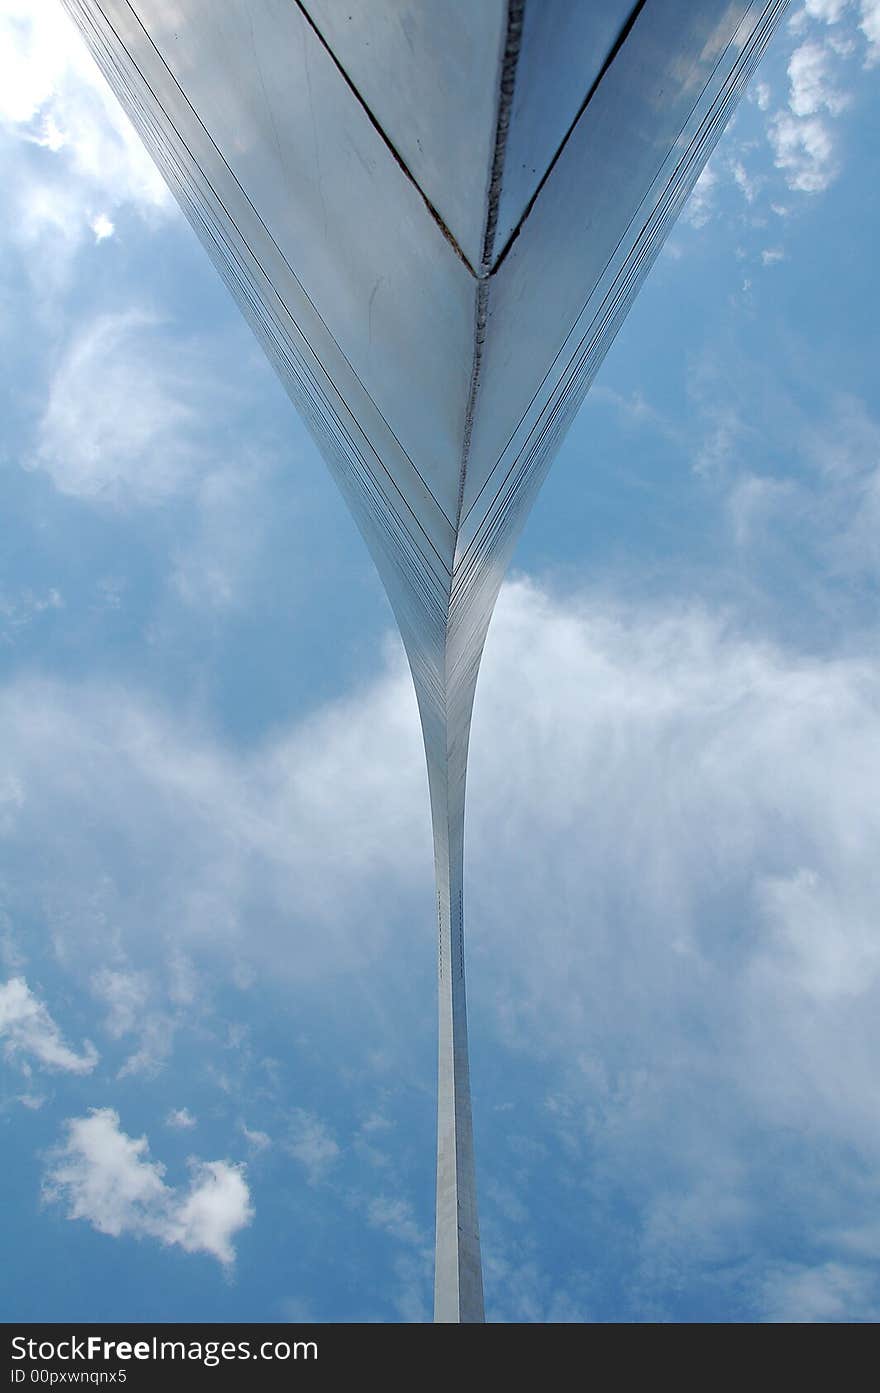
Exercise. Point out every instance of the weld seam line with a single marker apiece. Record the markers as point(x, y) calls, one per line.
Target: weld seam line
point(392, 149)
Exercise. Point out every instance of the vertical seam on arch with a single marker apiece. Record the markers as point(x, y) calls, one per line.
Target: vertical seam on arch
point(506, 86)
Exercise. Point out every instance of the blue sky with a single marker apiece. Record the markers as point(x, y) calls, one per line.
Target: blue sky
point(216, 904)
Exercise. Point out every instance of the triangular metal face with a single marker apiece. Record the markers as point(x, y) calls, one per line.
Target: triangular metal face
point(435, 215)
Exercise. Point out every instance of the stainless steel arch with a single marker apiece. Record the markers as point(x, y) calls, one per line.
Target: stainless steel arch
point(435, 217)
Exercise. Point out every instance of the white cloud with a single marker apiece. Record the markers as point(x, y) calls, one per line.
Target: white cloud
point(869, 23)
point(181, 1119)
point(803, 149)
point(53, 97)
point(27, 1029)
point(803, 138)
point(828, 10)
point(104, 1177)
point(107, 1178)
point(812, 88)
point(216, 1207)
point(122, 423)
point(312, 1144)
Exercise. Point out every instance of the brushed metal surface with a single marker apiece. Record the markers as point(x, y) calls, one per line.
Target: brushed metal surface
point(430, 76)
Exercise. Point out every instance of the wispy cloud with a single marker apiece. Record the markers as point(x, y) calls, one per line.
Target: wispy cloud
point(131, 421)
point(395, 1217)
point(829, 1291)
point(122, 424)
point(19, 611)
point(827, 508)
point(869, 23)
point(132, 1011)
point(29, 1032)
point(283, 836)
point(257, 1140)
point(181, 1119)
point(312, 1144)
